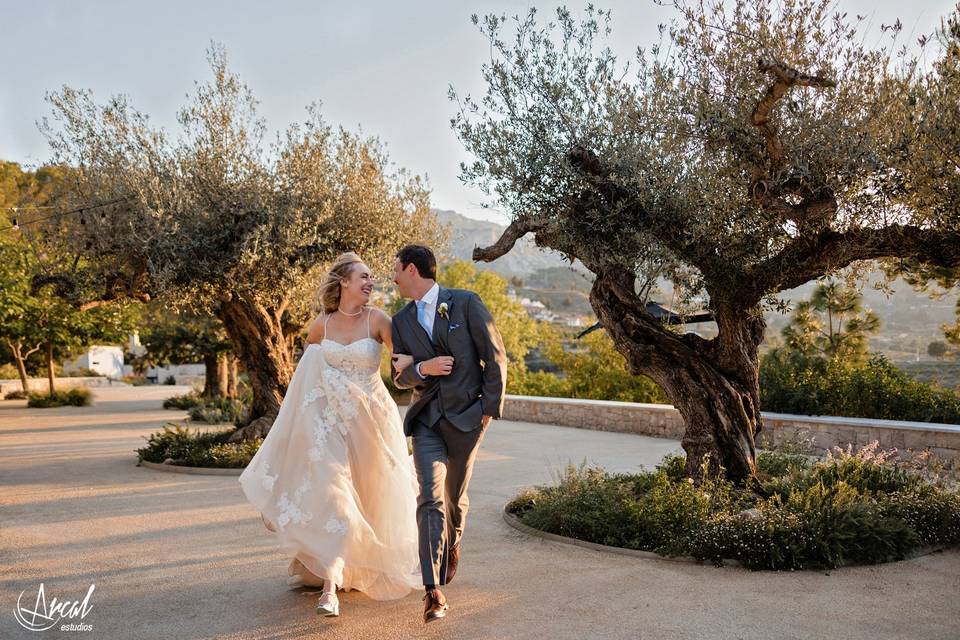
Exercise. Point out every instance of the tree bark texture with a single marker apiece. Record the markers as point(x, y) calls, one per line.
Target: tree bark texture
point(257, 335)
point(50, 373)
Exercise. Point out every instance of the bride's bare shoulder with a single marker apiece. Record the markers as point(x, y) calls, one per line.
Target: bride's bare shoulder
point(379, 317)
point(316, 330)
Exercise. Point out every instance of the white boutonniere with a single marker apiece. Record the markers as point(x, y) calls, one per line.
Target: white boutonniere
point(444, 310)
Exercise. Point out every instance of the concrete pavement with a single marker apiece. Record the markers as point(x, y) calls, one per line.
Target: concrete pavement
point(178, 556)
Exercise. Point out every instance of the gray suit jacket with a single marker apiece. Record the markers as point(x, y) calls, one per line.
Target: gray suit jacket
point(477, 384)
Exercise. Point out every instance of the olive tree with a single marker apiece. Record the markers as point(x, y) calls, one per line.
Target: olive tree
point(748, 153)
point(218, 221)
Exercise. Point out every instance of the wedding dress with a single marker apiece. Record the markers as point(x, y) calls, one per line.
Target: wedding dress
point(333, 479)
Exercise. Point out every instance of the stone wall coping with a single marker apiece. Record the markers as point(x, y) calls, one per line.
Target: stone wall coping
point(594, 403)
point(784, 417)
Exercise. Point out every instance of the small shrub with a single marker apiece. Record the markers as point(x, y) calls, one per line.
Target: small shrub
point(136, 381)
point(76, 397)
point(231, 455)
point(84, 372)
point(219, 410)
point(773, 464)
point(18, 394)
point(185, 401)
point(170, 380)
point(9, 372)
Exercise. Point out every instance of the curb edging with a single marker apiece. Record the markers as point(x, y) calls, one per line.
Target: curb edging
point(198, 471)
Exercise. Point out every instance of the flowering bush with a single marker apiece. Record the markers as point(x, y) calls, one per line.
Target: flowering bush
point(852, 507)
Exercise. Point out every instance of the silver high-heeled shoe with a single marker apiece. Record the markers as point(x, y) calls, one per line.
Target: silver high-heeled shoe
point(328, 605)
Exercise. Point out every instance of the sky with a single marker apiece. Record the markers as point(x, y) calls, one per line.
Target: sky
point(385, 66)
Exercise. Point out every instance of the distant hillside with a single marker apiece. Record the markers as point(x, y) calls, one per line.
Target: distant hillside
point(525, 258)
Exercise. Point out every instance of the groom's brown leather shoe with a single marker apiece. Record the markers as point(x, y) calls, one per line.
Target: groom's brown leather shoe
point(453, 559)
point(435, 605)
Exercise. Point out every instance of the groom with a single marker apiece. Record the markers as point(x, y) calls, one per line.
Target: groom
point(458, 377)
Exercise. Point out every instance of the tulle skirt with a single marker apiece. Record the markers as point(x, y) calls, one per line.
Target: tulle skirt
point(334, 481)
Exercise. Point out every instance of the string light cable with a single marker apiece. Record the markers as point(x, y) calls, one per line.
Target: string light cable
point(89, 207)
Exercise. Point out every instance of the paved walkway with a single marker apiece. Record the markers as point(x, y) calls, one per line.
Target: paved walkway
point(178, 556)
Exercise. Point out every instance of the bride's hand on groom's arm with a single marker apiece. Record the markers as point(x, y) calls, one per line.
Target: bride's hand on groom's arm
point(401, 361)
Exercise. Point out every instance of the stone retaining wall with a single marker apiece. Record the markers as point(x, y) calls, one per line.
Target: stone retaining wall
point(663, 421)
point(61, 383)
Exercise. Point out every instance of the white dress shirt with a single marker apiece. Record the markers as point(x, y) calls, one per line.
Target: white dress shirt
point(429, 312)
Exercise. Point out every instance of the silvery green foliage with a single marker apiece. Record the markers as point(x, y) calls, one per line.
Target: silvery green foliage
point(925, 138)
point(674, 165)
point(217, 210)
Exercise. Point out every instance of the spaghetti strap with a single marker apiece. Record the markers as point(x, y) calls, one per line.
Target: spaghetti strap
point(369, 311)
point(325, 320)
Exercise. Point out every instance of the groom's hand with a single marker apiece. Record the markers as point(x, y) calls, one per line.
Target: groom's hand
point(439, 366)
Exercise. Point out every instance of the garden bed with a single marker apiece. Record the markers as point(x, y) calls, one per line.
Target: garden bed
point(183, 447)
point(849, 508)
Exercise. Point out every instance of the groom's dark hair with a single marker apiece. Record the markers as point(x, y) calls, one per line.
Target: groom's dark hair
point(421, 257)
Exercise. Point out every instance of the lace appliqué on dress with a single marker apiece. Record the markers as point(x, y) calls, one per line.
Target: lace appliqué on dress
point(290, 509)
point(321, 429)
point(267, 480)
point(335, 526)
point(312, 396)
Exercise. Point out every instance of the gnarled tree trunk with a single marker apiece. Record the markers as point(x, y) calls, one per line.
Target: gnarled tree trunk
point(214, 384)
point(714, 384)
point(257, 335)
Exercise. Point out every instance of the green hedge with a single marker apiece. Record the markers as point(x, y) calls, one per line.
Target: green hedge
point(793, 383)
point(848, 509)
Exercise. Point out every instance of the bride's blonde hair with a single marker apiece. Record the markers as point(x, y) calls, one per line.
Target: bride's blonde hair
point(328, 295)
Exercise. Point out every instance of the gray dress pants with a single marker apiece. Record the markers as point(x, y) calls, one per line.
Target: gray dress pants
point(443, 456)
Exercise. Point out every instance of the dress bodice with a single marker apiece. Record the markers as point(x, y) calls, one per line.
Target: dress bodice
point(359, 360)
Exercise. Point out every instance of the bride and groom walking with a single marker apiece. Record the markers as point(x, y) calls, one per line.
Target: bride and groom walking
point(334, 480)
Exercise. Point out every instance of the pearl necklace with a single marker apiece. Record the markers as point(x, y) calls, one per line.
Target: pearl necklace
point(350, 314)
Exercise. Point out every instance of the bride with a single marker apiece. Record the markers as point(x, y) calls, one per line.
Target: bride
point(333, 478)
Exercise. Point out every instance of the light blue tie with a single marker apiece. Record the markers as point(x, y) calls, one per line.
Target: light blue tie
point(422, 316)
